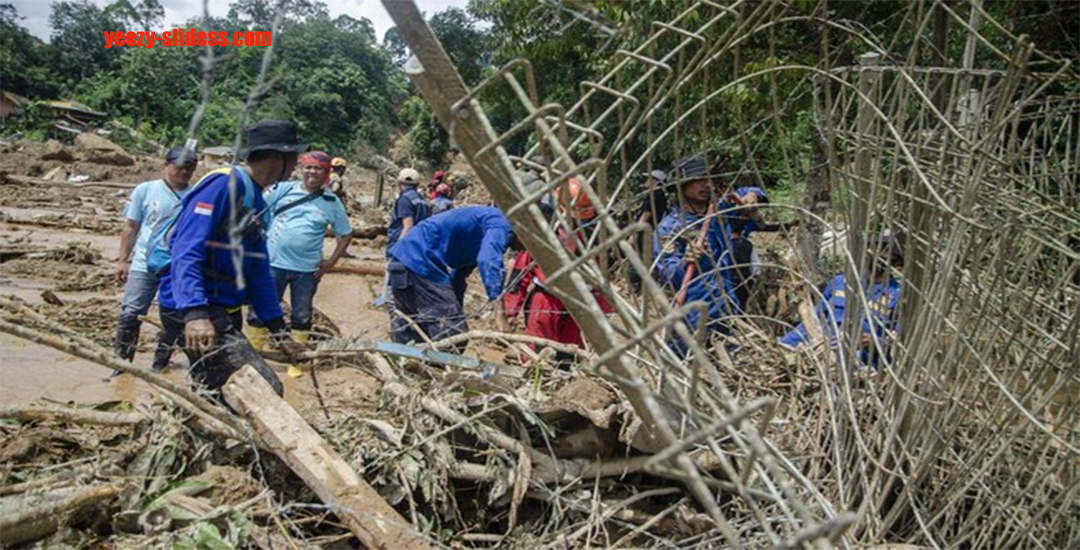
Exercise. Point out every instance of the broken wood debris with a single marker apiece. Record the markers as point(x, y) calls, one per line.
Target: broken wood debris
point(285, 433)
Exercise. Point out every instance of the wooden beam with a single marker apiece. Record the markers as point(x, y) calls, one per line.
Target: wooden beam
point(281, 429)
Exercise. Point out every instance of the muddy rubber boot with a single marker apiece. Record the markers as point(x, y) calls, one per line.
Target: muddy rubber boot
point(161, 357)
point(300, 337)
point(258, 336)
point(124, 344)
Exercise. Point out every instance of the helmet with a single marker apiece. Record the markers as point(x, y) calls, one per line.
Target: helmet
point(444, 190)
point(439, 175)
point(338, 161)
point(572, 199)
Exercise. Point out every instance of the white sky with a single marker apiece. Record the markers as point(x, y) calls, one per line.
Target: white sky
point(35, 13)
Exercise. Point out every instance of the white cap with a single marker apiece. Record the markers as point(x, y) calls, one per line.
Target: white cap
point(409, 175)
point(658, 175)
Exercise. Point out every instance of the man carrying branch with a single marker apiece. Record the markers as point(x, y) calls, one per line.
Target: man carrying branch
point(689, 245)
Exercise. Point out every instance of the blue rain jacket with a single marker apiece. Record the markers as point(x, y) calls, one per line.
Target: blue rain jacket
point(202, 273)
point(883, 300)
point(448, 246)
point(710, 284)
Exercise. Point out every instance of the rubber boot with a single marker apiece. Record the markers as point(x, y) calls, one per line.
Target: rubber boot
point(124, 344)
point(258, 336)
point(300, 337)
point(127, 339)
point(161, 357)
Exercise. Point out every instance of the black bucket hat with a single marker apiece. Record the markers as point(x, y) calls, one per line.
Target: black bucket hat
point(271, 135)
point(181, 156)
point(691, 168)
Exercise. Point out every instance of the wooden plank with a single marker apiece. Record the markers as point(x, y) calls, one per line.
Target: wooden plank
point(281, 429)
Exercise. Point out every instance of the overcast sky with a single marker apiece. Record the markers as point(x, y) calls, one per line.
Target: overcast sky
point(35, 13)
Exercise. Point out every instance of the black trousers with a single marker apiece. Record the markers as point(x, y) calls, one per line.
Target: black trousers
point(232, 351)
point(435, 308)
point(172, 335)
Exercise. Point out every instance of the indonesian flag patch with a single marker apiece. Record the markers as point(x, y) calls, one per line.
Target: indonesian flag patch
point(204, 208)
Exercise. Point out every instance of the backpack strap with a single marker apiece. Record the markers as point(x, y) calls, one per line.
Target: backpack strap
point(310, 197)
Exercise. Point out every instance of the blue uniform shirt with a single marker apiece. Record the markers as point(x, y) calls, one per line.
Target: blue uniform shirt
point(459, 240)
point(883, 298)
point(296, 235)
point(710, 284)
point(152, 204)
point(409, 204)
point(202, 271)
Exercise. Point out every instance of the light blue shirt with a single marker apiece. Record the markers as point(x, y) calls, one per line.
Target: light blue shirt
point(296, 235)
point(152, 204)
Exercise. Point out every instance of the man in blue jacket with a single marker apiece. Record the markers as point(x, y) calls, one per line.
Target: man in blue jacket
point(883, 293)
point(429, 266)
point(675, 247)
point(410, 208)
point(210, 278)
point(741, 219)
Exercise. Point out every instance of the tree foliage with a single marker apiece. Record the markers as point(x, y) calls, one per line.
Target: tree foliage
point(347, 91)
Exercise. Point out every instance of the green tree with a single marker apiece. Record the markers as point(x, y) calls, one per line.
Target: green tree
point(24, 60)
point(463, 41)
point(141, 14)
point(78, 40)
point(259, 14)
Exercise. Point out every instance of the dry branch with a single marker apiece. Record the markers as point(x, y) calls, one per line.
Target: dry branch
point(83, 416)
point(359, 268)
point(510, 337)
point(26, 521)
point(221, 423)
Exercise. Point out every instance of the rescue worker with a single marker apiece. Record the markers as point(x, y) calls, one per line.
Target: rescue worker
point(675, 246)
point(202, 284)
point(882, 296)
point(429, 267)
point(410, 208)
point(545, 315)
point(444, 199)
point(654, 205)
point(300, 212)
point(436, 180)
point(152, 203)
point(336, 182)
point(742, 218)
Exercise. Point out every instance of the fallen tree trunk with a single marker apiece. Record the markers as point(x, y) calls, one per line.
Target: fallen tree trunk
point(366, 268)
point(369, 232)
point(281, 429)
point(23, 520)
point(81, 416)
point(37, 182)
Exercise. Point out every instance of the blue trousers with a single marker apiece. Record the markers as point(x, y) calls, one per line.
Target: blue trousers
point(138, 295)
point(302, 287)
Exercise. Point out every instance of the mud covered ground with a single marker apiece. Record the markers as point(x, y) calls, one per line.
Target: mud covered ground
point(163, 480)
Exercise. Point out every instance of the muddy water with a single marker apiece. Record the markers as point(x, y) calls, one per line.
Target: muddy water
point(31, 373)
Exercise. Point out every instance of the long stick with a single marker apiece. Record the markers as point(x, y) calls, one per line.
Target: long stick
point(691, 266)
point(84, 416)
